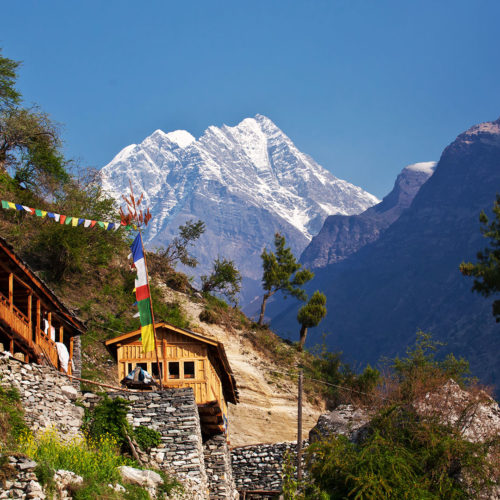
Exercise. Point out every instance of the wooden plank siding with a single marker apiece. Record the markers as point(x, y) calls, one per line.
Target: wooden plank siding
point(174, 347)
point(25, 301)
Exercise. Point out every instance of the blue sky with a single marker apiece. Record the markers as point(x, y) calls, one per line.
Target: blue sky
point(364, 87)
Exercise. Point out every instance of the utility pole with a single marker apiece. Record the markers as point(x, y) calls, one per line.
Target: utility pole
point(299, 428)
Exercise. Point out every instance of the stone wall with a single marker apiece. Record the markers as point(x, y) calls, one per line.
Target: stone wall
point(260, 466)
point(46, 395)
point(218, 467)
point(174, 414)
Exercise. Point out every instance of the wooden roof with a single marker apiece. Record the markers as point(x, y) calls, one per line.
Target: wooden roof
point(215, 347)
point(23, 271)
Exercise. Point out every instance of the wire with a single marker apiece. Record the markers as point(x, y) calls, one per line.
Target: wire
point(350, 389)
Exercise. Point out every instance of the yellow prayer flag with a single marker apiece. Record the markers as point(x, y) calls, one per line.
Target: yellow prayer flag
point(74, 222)
point(12, 205)
point(44, 213)
point(148, 338)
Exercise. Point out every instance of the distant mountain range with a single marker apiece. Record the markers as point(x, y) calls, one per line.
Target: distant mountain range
point(343, 235)
point(245, 182)
point(407, 278)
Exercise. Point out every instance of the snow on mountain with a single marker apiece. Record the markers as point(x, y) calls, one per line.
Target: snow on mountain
point(246, 182)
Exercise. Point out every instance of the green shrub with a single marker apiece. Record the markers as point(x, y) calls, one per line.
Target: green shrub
point(109, 418)
point(146, 437)
point(95, 460)
point(209, 316)
point(12, 423)
point(45, 475)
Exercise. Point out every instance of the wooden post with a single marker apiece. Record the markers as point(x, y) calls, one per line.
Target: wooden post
point(49, 330)
point(38, 319)
point(30, 303)
point(299, 429)
point(11, 291)
point(152, 313)
point(61, 334)
point(11, 347)
point(164, 354)
point(71, 347)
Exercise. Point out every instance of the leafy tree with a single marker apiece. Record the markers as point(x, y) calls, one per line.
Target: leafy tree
point(486, 271)
point(311, 314)
point(282, 272)
point(29, 141)
point(178, 249)
point(9, 96)
point(225, 279)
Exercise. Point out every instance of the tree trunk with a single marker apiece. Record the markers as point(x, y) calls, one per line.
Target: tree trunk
point(303, 335)
point(263, 307)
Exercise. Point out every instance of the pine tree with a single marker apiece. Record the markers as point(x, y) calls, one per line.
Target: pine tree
point(282, 272)
point(486, 271)
point(310, 315)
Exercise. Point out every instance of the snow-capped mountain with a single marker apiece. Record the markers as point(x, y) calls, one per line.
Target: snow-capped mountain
point(245, 182)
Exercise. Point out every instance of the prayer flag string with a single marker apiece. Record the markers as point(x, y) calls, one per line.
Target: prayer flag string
point(66, 219)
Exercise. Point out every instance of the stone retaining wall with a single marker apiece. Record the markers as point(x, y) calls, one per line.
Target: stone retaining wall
point(46, 395)
point(174, 414)
point(260, 466)
point(218, 467)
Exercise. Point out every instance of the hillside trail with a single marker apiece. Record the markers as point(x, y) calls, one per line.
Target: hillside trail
point(267, 410)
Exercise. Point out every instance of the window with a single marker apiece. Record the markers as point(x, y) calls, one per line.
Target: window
point(144, 366)
point(129, 368)
point(173, 369)
point(188, 369)
point(154, 369)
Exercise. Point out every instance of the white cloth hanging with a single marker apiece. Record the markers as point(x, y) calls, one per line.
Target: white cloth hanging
point(63, 354)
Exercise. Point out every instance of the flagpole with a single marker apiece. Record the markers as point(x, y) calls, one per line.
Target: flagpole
point(160, 373)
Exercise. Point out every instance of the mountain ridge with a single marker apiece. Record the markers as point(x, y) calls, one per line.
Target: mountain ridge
point(246, 182)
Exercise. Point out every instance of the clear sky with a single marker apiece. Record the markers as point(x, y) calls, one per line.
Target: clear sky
point(364, 87)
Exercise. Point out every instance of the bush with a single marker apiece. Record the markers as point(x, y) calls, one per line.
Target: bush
point(109, 419)
point(146, 437)
point(209, 316)
point(95, 460)
point(12, 423)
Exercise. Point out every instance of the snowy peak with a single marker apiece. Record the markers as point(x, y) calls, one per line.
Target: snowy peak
point(245, 181)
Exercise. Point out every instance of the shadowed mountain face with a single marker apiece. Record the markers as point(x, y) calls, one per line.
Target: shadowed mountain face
point(245, 182)
point(342, 235)
point(408, 279)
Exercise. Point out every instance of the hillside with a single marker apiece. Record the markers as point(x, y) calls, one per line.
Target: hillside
point(409, 278)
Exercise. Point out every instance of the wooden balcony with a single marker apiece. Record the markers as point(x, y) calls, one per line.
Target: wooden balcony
point(17, 321)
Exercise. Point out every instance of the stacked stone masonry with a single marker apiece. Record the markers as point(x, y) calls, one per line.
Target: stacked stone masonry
point(46, 395)
point(260, 466)
point(174, 414)
point(218, 467)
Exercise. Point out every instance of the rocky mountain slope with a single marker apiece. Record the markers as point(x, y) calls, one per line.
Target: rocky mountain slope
point(409, 279)
point(245, 182)
point(267, 411)
point(342, 235)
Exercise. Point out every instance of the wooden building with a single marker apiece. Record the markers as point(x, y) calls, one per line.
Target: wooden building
point(32, 318)
point(186, 359)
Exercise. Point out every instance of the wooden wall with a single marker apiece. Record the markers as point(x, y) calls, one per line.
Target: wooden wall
point(177, 348)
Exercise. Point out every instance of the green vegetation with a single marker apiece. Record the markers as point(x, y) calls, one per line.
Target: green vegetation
point(225, 280)
point(178, 249)
point(310, 315)
point(282, 272)
point(12, 423)
point(404, 454)
point(486, 271)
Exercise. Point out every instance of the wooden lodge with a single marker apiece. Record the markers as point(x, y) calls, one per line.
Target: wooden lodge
point(32, 318)
point(186, 359)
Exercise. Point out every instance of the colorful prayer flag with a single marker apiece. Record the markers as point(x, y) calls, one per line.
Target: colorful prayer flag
point(143, 296)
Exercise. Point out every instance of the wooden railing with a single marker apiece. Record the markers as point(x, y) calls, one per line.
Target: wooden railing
point(49, 348)
point(15, 319)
